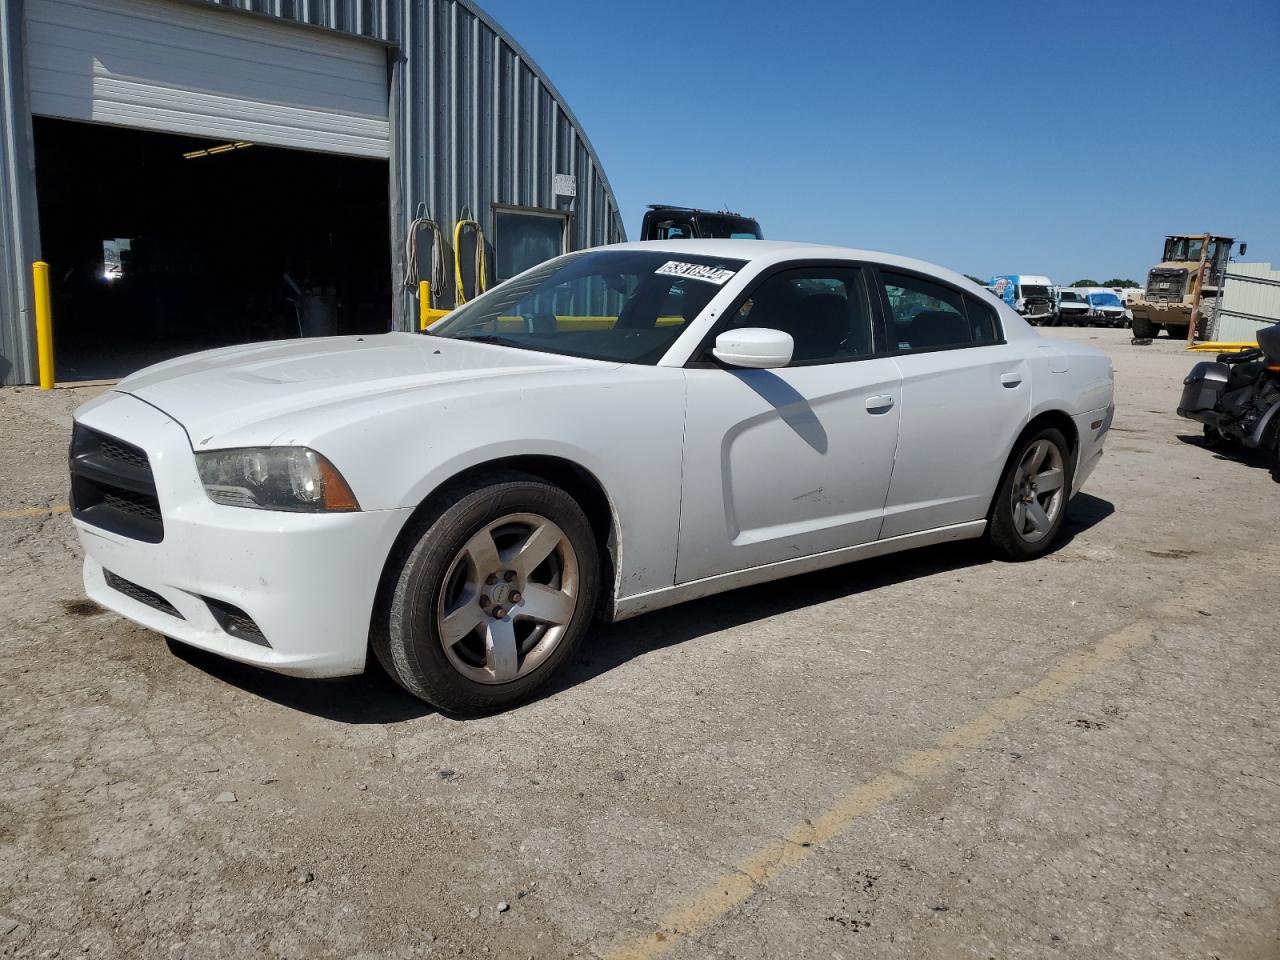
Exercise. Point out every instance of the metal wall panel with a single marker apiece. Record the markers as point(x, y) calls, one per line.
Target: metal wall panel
point(474, 122)
point(1250, 301)
point(19, 225)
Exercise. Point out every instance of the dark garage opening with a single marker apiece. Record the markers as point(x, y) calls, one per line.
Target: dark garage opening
point(160, 245)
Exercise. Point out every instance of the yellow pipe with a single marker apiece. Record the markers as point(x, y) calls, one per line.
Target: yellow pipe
point(424, 303)
point(44, 323)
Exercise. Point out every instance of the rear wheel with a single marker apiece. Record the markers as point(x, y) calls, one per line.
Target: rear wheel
point(490, 598)
point(1031, 505)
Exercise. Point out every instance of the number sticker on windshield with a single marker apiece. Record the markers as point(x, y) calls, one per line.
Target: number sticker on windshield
point(695, 271)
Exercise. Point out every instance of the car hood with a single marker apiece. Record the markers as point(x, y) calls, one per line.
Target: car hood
point(218, 392)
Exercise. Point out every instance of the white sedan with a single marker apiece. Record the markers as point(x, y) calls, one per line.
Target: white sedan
point(614, 431)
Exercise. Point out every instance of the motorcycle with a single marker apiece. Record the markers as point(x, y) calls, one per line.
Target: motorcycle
point(1237, 398)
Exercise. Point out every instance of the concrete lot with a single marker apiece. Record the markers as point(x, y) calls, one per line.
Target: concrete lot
point(934, 755)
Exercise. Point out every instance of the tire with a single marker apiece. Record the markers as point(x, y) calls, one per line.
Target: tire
point(1144, 329)
point(1013, 531)
point(462, 565)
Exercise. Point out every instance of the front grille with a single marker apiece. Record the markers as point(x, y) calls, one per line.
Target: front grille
point(1166, 284)
point(236, 622)
point(122, 452)
point(112, 486)
point(141, 594)
point(126, 501)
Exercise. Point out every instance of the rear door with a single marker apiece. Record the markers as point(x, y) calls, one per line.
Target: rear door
point(786, 463)
point(966, 395)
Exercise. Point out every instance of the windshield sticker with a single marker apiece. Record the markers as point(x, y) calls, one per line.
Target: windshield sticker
point(695, 271)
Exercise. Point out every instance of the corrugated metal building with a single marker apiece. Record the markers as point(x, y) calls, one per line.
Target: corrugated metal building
point(1250, 301)
point(465, 123)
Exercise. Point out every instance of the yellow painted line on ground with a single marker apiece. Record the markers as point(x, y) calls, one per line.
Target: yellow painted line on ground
point(33, 513)
point(803, 840)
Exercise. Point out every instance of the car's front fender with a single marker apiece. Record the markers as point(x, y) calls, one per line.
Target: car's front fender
point(624, 428)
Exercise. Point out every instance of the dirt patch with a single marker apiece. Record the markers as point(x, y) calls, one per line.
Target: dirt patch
point(82, 608)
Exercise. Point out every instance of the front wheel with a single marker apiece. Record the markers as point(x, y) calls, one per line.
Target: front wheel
point(1143, 328)
point(1027, 515)
point(491, 597)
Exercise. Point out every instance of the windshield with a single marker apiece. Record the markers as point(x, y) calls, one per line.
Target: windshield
point(1105, 300)
point(1070, 295)
point(620, 305)
point(723, 226)
point(1184, 248)
point(1034, 290)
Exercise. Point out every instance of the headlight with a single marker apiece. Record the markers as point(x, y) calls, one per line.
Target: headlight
point(275, 478)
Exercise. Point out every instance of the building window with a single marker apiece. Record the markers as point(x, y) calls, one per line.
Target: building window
point(524, 238)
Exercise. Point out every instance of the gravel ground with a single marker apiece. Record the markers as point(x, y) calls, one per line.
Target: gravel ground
point(932, 755)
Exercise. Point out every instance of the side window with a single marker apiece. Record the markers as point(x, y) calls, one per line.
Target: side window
point(982, 321)
point(823, 308)
point(929, 316)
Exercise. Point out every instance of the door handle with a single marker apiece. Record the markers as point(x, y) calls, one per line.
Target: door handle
point(880, 404)
point(1011, 380)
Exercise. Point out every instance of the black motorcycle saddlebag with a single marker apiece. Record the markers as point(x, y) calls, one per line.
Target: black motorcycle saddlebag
point(1269, 341)
point(1201, 390)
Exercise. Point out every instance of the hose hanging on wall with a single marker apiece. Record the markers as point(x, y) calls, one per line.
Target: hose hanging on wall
point(432, 270)
point(469, 232)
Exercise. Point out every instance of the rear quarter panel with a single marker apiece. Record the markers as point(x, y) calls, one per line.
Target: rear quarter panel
point(1079, 381)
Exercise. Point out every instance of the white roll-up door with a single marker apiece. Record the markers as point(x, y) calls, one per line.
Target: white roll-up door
point(183, 68)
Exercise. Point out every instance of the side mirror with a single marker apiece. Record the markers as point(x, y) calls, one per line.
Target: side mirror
point(1243, 247)
point(757, 348)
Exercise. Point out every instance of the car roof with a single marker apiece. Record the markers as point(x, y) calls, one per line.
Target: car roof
point(768, 252)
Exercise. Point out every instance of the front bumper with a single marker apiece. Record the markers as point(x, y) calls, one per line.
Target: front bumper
point(308, 581)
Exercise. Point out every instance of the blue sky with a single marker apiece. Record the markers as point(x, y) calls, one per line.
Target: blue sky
point(1056, 138)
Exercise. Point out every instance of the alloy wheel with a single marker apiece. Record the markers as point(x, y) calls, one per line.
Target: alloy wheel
point(1039, 491)
point(509, 595)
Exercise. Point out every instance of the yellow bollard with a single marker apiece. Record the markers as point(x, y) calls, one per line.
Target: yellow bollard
point(44, 323)
point(424, 303)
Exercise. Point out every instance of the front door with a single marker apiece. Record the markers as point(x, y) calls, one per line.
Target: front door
point(786, 463)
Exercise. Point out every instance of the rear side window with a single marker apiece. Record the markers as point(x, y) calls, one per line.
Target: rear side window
point(983, 322)
point(928, 316)
point(824, 309)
